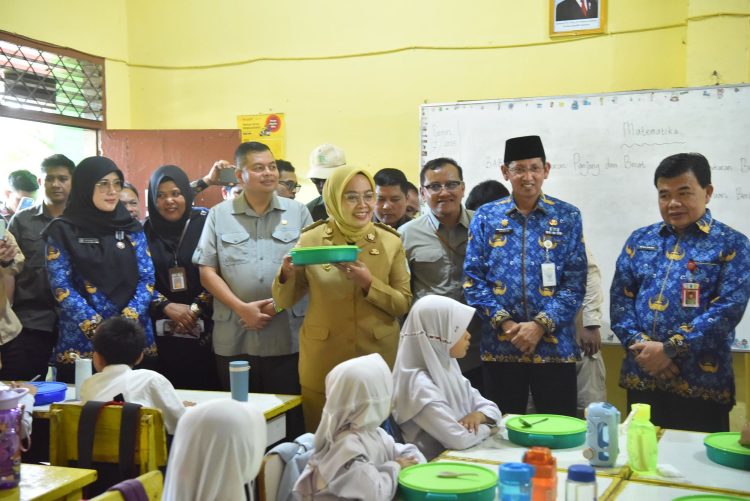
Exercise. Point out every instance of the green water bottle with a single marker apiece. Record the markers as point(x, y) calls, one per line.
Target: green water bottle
point(642, 451)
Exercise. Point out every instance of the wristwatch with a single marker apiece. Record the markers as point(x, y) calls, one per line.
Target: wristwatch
point(194, 308)
point(670, 350)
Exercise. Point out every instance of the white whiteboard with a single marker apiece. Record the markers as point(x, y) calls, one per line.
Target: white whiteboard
point(604, 149)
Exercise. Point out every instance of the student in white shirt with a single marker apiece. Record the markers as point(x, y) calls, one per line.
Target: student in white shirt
point(354, 458)
point(216, 453)
point(434, 405)
point(118, 346)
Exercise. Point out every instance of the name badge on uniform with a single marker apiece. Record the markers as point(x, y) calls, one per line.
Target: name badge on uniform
point(88, 240)
point(691, 295)
point(177, 279)
point(549, 279)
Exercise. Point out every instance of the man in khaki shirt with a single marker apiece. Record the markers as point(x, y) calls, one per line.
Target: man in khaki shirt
point(11, 350)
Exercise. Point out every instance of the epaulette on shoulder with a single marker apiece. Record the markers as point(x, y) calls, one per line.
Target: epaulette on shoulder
point(388, 228)
point(314, 225)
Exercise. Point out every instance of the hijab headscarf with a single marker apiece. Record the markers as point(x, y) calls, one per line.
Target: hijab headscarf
point(216, 452)
point(358, 399)
point(434, 325)
point(333, 192)
point(168, 229)
point(164, 236)
point(111, 269)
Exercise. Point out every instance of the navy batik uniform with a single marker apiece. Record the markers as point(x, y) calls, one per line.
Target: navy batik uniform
point(503, 269)
point(655, 269)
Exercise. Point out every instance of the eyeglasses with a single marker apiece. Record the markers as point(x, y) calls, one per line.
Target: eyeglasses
point(517, 171)
point(105, 186)
point(291, 186)
point(356, 198)
point(131, 203)
point(436, 188)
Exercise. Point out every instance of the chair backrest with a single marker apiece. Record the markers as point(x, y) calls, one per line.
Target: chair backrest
point(269, 477)
point(153, 483)
point(151, 440)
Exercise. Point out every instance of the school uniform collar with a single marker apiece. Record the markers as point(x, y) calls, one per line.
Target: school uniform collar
point(240, 206)
point(116, 369)
point(702, 225)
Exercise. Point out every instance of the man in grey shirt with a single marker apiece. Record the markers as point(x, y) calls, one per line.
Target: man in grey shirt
point(435, 245)
point(239, 253)
point(32, 299)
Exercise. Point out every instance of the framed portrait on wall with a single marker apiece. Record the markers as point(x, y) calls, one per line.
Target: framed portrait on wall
point(577, 17)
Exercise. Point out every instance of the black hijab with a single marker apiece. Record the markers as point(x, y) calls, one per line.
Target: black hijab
point(164, 236)
point(168, 229)
point(89, 235)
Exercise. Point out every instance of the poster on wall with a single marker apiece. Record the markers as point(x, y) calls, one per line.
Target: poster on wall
point(577, 17)
point(269, 129)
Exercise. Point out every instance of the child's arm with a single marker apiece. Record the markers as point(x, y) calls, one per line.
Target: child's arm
point(362, 479)
point(165, 399)
point(437, 421)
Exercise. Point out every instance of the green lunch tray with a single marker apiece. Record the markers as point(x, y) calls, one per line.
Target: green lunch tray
point(555, 432)
point(421, 481)
point(325, 254)
point(724, 448)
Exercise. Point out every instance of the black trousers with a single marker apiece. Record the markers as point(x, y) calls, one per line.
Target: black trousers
point(27, 355)
point(553, 387)
point(680, 413)
point(278, 375)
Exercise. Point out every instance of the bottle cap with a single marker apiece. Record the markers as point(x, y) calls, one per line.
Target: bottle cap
point(642, 412)
point(516, 472)
point(581, 473)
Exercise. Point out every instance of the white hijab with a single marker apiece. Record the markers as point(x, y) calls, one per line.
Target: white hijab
point(434, 325)
point(217, 450)
point(358, 400)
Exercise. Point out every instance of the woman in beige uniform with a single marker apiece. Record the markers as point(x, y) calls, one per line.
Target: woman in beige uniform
point(354, 307)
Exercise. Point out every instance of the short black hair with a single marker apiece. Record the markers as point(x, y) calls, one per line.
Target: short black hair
point(437, 163)
point(22, 180)
point(128, 186)
point(284, 166)
point(119, 340)
point(392, 177)
point(412, 187)
point(248, 147)
point(485, 192)
point(58, 160)
point(676, 165)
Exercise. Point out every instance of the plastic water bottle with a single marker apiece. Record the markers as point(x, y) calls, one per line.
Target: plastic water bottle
point(642, 451)
point(602, 442)
point(10, 441)
point(515, 481)
point(544, 483)
point(581, 483)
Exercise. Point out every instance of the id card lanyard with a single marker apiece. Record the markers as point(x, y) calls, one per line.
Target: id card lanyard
point(177, 274)
point(549, 278)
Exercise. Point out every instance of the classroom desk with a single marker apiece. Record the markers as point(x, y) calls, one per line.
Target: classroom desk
point(50, 483)
point(605, 485)
point(274, 407)
point(498, 449)
point(685, 451)
point(630, 490)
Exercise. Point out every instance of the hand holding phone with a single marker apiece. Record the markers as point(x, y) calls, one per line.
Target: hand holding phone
point(227, 176)
point(2, 228)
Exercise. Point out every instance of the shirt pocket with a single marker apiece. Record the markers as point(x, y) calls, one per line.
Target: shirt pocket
point(317, 332)
point(429, 264)
point(284, 239)
point(234, 249)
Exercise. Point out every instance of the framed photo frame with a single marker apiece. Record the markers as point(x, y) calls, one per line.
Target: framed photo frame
point(577, 17)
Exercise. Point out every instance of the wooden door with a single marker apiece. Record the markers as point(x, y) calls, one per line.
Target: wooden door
point(139, 152)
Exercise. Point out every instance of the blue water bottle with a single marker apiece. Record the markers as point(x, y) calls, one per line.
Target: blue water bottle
point(515, 481)
point(602, 438)
point(239, 379)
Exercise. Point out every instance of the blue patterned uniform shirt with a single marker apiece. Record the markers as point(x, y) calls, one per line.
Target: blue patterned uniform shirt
point(647, 304)
point(503, 271)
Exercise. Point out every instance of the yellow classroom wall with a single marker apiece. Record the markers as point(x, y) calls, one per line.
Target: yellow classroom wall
point(193, 64)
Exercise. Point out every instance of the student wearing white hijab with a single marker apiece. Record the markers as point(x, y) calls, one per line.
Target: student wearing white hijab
point(434, 405)
point(216, 452)
point(354, 458)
